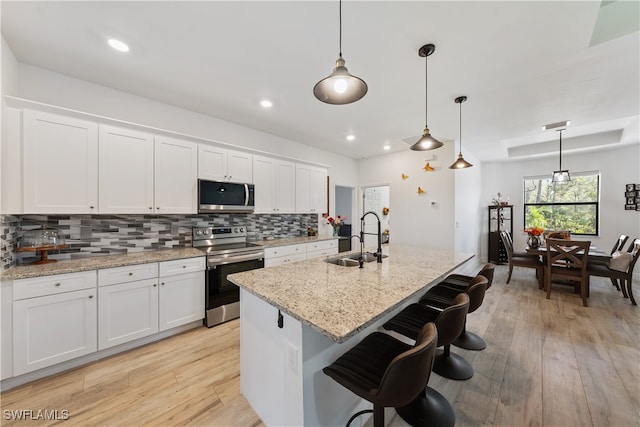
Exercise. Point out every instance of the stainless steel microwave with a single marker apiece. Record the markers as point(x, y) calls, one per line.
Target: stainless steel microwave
point(225, 197)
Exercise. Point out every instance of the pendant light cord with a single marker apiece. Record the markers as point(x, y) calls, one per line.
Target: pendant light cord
point(561, 148)
point(340, 19)
point(426, 89)
point(461, 128)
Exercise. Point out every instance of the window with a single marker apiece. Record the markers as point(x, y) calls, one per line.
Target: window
point(572, 206)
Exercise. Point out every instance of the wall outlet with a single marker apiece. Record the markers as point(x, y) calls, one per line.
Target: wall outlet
point(434, 203)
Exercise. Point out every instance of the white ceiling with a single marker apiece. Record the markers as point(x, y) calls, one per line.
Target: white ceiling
point(521, 64)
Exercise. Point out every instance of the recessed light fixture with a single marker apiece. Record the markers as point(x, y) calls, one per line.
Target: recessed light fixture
point(386, 147)
point(118, 45)
point(557, 125)
point(266, 103)
point(351, 137)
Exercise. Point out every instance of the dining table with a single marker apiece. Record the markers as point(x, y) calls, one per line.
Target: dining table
point(595, 255)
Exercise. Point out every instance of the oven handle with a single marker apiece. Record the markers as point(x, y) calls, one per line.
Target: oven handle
point(213, 262)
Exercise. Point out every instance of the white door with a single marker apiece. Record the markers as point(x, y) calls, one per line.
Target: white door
point(53, 329)
point(375, 199)
point(127, 311)
point(264, 173)
point(60, 173)
point(181, 299)
point(176, 175)
point(212, 163)
point(303, 189)
point(126, 171)
point(319, 190)
point(239, 167)
point(285, 187)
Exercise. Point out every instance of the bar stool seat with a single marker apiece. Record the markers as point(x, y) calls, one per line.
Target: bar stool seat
point(442, 295)
point(385, 371)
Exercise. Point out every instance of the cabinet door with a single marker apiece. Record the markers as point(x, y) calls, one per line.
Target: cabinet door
point(303, 189)
point(264, 173)
point(239, 167)
point(212, 163)
point(285, 187)
point(60, 173)
point(52, 329)
point(176, 175)
point(127, 311)
point(181, 299)
point(126, 171)
point(318, 190)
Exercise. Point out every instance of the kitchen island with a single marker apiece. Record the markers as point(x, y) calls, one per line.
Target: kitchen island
point(298, 318)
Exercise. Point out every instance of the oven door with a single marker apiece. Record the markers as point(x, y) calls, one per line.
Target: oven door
point(222, 296)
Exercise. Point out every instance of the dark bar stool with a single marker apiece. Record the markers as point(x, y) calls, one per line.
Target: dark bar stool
point(443, 294)
point(430, 407)
point(386, 371)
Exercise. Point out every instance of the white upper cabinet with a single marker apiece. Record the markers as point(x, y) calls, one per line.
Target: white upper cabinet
point(274, 182)
point(126, 171)
point(311, 189)
point(60, 164)
point(220, 164)
point(176, 175)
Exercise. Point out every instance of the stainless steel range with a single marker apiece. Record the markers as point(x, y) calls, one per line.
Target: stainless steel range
point(227, 252)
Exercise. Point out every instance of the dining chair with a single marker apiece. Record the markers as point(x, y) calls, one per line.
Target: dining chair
point(567, 260)
point(522, 259)
point(621, 273)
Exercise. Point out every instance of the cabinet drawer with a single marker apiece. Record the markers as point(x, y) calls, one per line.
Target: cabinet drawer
point(50, 285)
point(180, 266)
point(322, 245)
point(272, 262)
point(129, 273)
point(285, 250)
point(322, 252)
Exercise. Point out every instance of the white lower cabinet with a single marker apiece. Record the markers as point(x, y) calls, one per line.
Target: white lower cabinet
point(181, 298)
point(280, 255)
point(53, 329)
point(127, 311)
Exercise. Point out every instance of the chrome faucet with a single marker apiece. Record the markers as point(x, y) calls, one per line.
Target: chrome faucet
point(362, 233)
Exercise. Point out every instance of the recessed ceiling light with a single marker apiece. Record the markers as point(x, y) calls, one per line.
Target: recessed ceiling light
point(266, 103)
point(118, 45)
point(387, 147)
point(351, 137)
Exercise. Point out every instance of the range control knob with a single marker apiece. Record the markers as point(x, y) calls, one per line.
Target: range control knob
point(241, 229)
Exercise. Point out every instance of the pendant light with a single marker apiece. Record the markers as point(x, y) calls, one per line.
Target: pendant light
point(427, 142)
point(561, 176)
point(340, 87)
point(461, 163)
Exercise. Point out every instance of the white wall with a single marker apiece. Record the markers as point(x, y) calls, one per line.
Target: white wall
point(618, 166)
point(48, 87)
point(9, 86)
point(469, 208)
point(415, 221)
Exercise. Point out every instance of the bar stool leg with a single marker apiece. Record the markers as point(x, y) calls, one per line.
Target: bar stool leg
point(430, 408)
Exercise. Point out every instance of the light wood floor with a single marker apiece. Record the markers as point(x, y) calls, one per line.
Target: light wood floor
point(548, 363)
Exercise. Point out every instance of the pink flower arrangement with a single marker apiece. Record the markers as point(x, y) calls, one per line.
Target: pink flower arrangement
point(336, 222)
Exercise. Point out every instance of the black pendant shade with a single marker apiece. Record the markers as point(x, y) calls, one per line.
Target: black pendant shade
point(561, 176)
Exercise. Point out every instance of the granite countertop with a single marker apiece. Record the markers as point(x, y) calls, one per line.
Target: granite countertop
point(97, 262)
point(339, 301)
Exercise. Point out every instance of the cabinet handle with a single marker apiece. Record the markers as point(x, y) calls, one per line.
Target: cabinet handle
point(57, 284)
point(162, 283)
point(130, 274)
point(184, 266)
point(155, 284)
point(150, 207)
point(90, 296)
point(158, 207)
point(91, 207)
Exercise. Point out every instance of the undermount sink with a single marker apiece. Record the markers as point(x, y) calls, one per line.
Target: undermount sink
point(352, 259)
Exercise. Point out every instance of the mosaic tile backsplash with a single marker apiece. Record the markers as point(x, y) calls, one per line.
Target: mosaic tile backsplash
point(95, 235)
